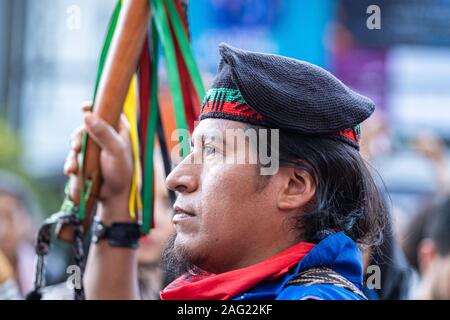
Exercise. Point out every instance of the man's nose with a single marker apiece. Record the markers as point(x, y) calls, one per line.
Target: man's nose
point(183, 178)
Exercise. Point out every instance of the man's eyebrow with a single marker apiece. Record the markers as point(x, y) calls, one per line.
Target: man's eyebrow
point(205, 137)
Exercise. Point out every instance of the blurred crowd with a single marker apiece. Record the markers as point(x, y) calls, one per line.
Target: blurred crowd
point(413, 170)
point(413, 259)
point(414, 255)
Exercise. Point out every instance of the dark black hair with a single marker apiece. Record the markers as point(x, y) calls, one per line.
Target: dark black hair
point(437, 225)
point(347, 198)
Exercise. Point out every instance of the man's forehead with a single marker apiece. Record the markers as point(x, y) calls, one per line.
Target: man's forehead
point(215, 128)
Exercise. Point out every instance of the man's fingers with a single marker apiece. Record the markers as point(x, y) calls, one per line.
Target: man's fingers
point(86, 106)
point(71, 165)
point(77, 138)
point(102, 133)
point(124, 129)
point(124, 125)
point(74, 188)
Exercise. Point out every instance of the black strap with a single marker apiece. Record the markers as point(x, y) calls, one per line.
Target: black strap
point(323, 275)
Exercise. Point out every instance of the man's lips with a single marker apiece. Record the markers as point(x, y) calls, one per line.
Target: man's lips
point(182, 216)
point(180, 211)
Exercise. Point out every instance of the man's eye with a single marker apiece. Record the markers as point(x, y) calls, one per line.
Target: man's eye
point(209, 150)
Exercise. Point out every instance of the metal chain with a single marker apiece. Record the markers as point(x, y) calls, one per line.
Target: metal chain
point(42, 249)
point(79, 259)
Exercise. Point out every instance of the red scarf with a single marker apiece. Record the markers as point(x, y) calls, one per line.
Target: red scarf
point(225, 286)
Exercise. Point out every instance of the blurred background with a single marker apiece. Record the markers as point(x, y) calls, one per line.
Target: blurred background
point(48, 59)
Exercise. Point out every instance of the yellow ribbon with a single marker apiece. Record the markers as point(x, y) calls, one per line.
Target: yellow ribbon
point(130, 111)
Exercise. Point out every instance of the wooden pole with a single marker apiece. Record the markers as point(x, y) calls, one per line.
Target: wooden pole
point(121, 63)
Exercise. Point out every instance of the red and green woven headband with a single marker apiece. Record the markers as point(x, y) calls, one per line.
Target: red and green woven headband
point(228, 103)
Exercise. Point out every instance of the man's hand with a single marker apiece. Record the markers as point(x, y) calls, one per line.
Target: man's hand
point(116, 163)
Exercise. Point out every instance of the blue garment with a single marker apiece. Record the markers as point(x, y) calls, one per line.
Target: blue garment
point(337, 252)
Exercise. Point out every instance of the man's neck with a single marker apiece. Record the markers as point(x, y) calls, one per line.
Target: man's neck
point(254, 256)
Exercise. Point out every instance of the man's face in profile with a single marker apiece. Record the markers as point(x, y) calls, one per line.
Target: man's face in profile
point(225, 208)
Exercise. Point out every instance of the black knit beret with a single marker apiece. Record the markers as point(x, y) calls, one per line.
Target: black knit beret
point(284, 93)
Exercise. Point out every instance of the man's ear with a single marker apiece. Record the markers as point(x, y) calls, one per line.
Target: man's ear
point(426, 254)
point(297, 190)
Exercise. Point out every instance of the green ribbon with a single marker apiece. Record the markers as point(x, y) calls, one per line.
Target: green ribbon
point(85, 188)
point(161, 33)
point(185, 47)
point(163, 28)
point(148, 185)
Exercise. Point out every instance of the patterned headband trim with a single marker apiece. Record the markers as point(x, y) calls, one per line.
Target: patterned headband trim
point(352, 134)
point(228, 101)
point(229, 104)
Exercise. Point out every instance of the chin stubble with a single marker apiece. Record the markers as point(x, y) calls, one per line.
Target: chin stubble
point(175, 260)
